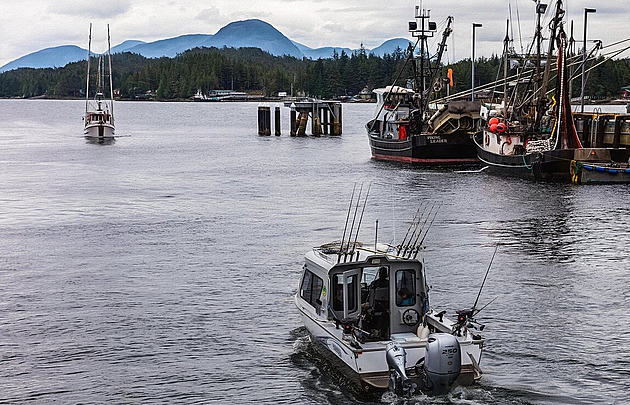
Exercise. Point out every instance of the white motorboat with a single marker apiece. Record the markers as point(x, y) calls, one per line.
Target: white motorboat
point(367, 310)
point(99, 112)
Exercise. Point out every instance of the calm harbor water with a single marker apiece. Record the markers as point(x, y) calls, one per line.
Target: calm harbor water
point(161, 268)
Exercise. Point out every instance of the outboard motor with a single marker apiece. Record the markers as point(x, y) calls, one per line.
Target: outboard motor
point(397, 362)
point(442, 362)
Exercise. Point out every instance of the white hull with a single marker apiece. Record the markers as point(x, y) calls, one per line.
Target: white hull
point(367, 366)
point(99, 131)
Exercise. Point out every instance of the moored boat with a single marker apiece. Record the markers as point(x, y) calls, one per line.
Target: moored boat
point(99, 112)
point(367, 309)
point(534, 136)
point(406, 129)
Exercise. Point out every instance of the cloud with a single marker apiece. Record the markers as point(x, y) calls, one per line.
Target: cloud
point(81, 8)
point(209, 14)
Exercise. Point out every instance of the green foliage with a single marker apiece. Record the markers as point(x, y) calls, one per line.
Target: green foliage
point(255, 71)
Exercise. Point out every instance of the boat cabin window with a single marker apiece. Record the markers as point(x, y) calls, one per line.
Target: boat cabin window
point(311, 289)
point(405, 288)
point(338, 297)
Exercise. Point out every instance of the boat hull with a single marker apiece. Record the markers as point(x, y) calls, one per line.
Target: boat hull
point(553, 165)
point(425, 149)
point(367, 367)
point(99, 131)
point(561, 165)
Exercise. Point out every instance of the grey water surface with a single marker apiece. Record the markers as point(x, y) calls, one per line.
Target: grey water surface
point(161, 268)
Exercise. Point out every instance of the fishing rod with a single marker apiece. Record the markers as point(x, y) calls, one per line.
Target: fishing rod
point(356, 236)
point(484, 280)
point(409, 246)
point(354, 218)
point(413, 221)
point(484, 307)
point(413, 234)
point(345, 227)
point(418, 246)
point(412, 247)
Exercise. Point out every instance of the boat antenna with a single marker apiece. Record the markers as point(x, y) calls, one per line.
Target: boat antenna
point(484, 280)
point(87, 79)
point(356, 236)
point(376, 236)
point(111, 87)
point(343, 238)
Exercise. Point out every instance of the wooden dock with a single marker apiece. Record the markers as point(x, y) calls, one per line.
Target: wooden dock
point(325, 117)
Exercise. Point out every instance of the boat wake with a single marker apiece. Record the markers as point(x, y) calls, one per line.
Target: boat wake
point(459, 395)
point(472, 171)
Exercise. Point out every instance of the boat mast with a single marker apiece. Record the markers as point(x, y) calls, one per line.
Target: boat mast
point(440, 51)
point(87, 79)
point(553, 25)
point(506, 61)
point(111, 87)
point(427, 29)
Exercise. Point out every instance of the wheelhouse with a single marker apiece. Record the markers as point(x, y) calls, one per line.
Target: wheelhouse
point(381, 297)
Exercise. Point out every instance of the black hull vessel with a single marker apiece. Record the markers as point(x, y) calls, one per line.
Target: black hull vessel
point(426, 149)
point(532, 135)
point(552, 166)
point(405, 128)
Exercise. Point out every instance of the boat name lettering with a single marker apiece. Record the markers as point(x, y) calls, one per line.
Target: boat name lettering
point(436, 139)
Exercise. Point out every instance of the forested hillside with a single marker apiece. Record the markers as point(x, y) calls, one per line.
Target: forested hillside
point(252, 70)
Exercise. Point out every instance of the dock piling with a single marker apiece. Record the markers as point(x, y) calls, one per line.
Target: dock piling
point(293, 120)
point(277, 120)
point(264, 120)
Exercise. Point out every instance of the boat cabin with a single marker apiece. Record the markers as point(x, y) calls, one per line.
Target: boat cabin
point(100, 117)
point(379, 295)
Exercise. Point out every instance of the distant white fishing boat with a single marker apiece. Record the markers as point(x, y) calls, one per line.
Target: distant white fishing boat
point(99, 112)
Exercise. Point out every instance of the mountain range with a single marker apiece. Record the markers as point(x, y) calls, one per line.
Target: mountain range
point(248, 33)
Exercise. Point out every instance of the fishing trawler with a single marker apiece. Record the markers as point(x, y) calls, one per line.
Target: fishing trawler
point(405, 128)
point(534, 136)
point(99, 112)
point(367, 309)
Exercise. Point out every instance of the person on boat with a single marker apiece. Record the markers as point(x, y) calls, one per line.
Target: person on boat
point(405, 298)
point(376, 317)
point(338, 300)
point(381, 279)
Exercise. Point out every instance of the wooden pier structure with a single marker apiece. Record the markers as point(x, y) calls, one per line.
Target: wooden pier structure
point(325, 116)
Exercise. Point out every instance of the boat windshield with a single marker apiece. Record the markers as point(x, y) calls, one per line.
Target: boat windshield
point(405, 288)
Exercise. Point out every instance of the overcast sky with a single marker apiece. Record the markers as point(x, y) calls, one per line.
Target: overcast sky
point(30, 25)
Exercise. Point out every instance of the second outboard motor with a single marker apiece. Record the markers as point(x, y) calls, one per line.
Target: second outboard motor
point(442, 362)
point(397, 362)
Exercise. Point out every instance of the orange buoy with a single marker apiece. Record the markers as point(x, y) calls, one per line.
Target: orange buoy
point(493, 127)
point(493, 120)
point(501, 127)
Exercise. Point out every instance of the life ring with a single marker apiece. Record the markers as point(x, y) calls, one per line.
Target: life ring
point(487, 139)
